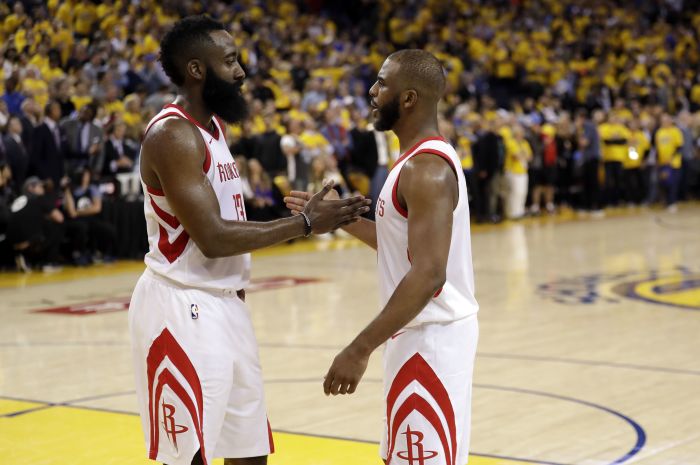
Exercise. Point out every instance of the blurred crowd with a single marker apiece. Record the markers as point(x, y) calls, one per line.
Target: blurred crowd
point(550, 104)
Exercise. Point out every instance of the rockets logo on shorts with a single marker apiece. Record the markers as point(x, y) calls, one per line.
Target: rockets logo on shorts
point(194, 311)
point(414, 453)
point(168, 369)
point(418, 395)
point(171, 428)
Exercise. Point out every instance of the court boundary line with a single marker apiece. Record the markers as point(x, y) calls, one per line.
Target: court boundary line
point(639, 431)
point(665, 224)
point(67, 403)
point(134, 414)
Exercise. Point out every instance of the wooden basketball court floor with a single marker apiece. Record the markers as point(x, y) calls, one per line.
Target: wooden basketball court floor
point(589, 351)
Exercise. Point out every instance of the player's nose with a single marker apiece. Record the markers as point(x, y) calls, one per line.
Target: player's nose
point(238, 73)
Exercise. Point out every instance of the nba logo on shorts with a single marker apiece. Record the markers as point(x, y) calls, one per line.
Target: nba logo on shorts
point(194, 310)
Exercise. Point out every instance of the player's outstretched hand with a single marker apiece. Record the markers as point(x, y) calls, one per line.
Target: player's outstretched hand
point(329, 215)
point(296, 200)
point(346, 372)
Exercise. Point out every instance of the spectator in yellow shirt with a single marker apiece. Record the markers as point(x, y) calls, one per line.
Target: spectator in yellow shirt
point(84, 16)
point(638, 147)
point(668, 142)
point(518, 155)
point(34, 85)
point(132, 114)
point(621, 111)
point(314, 145)
point(81, 96)
point(614, 140)
point(112, 104)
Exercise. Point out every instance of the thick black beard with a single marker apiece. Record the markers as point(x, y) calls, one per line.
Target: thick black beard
point(224, 98)
point(387, 115)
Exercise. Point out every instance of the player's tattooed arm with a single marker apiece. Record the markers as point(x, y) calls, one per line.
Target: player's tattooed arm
point(172, 159)
point(428, 190)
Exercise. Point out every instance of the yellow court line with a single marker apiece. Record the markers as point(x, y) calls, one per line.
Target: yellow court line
point(71, 273)
point(8, 406)
point(688, 298)
point(82, 436)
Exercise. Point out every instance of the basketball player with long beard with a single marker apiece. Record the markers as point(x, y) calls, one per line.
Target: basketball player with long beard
point(199, 383)
point(426, 280)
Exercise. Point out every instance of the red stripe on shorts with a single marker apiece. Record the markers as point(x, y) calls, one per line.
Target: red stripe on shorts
point(164, 346)
point(417, 369)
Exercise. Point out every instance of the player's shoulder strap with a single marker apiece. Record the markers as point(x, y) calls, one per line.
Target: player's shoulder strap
point(439, 147)
point(175, 111)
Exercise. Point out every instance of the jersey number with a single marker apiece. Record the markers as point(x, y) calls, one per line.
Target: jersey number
point(240, 207)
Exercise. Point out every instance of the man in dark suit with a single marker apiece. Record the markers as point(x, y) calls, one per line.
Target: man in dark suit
point(47, 155)
point(488, 164)
point(268, 151)
point(364, 146)
point(15, 151)
point(85, 141)
point(120, 152)
point(30, 117)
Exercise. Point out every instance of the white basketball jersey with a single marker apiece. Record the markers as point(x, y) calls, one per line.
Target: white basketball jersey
point(456, 298)
point(172, 253)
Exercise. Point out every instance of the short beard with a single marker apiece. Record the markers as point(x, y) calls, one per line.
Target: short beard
point(224, 98)
point(388, 115)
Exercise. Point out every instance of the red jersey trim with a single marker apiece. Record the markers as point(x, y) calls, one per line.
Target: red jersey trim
point(169, 219)
point(395, 190)
point(161, 117)
point(269, 438)
point(207, 158)
point(395, 198)
point(194, 121)
point(149, 189)
point(415, 146)
point(439, 154)
point(221, 124)
point(154, 191)
point(171, 250)
point(207, 155)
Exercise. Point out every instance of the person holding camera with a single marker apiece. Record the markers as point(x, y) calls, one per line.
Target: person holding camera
point(35, 230)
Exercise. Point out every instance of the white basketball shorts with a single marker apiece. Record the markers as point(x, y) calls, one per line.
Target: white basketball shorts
point(198, 377)
point(428, 386)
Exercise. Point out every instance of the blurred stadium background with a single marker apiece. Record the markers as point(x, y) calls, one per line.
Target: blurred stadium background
point(563, 113)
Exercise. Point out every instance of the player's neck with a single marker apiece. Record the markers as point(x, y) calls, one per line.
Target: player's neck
point(195, 108)
point(412, 132)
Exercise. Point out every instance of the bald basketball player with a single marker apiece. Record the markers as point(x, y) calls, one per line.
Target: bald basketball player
point(199, 383)
point(428, 322)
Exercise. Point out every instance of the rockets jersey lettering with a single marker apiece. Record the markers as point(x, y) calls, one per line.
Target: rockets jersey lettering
point(456, 298)
point(172, 253)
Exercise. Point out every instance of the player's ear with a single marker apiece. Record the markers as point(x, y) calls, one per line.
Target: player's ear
point(409, 98)
point(195, 68)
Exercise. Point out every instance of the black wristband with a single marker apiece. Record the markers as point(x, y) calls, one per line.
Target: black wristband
point(307, 224)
